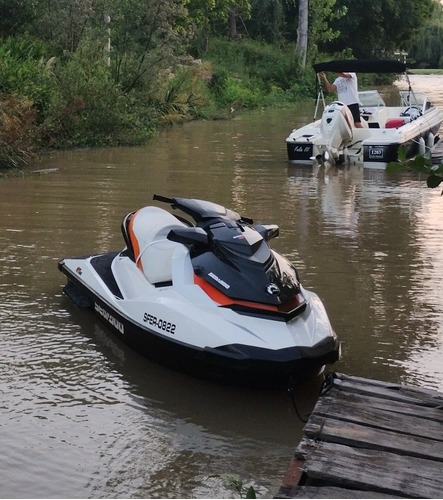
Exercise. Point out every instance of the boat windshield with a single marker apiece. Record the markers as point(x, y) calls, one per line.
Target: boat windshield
point(371, 98)
point(409, 98)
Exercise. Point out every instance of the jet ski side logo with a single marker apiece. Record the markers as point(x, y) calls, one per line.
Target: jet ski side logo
point(219, 280)
point(109, 318)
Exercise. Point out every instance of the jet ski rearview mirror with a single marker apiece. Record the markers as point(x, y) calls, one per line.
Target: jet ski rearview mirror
point(267, 231)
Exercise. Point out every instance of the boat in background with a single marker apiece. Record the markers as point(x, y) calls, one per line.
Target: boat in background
point(413, 123)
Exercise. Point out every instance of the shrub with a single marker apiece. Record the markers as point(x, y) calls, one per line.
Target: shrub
point(17, 118)
point(87, 107)
point(24, 71)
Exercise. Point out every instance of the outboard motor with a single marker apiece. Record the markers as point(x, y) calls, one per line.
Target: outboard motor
point(336, 127)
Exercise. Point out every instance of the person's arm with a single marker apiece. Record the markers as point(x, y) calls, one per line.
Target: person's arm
point(330, 87)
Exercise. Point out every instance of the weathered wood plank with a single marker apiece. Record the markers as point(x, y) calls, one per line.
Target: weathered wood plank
point(396, 392)
point(357, 409)
point(362, 436)
point(340, 399)
point(371, 470)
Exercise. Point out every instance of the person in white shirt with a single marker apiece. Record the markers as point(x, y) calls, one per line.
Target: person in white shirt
point(346, 86)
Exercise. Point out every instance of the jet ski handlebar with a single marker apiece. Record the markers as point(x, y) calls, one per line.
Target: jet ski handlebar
point(201, 210)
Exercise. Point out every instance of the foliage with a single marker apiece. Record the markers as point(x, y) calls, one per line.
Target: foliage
point(23, 70)
point(362, 29)
point(427, 44)
point(185, 95)
point(250, 73)
point(421, 164)
point(235, 482)
point(209, 15)
point(88, 109)
point(62, 23)
point(15, 15)
point(17, 119)
point(104, 72)
point(322, 14)
point(147, 38)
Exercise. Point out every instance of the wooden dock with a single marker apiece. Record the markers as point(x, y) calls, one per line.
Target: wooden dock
point(369, 439)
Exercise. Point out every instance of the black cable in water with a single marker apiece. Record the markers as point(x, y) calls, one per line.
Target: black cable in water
point(291, 394)
point(326, 386)
point(328, 383)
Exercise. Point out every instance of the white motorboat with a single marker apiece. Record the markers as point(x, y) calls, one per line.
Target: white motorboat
point(413, 123)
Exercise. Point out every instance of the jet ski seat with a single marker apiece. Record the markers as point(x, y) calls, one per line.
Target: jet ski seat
point(145, 232)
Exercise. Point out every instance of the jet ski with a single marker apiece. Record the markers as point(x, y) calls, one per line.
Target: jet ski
point(202, 292)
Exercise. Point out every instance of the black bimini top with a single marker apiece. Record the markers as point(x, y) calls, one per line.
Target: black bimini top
point(361, 66)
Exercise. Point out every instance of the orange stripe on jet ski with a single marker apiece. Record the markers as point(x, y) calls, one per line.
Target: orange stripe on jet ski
point(134, 242)
point(224, 300)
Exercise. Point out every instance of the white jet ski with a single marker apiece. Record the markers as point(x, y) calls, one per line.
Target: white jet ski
point(208, 297)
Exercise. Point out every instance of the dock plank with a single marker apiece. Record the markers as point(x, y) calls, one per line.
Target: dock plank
point(367, 469)
point(381, 415)
point(341, 399)
point(358, 435)
point(392, 392)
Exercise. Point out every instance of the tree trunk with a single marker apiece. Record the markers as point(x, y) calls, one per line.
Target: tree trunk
point(302, 31)
point(232, 22)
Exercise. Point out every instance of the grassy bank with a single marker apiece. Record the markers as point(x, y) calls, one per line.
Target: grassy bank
point(78, 101)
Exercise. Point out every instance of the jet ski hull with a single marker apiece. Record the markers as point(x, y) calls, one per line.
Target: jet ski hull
point(152, 329)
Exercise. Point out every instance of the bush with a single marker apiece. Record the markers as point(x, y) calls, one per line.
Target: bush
point(184, 95)
point(88, 109)
point(24, 71)
point(249, 74)
point(17, 118)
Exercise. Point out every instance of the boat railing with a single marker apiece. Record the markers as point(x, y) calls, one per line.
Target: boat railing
point(415, 99)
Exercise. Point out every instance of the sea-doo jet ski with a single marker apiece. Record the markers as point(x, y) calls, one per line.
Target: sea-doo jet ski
point(206, 296)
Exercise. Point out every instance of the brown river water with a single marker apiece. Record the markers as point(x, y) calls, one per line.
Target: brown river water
point(84, 416)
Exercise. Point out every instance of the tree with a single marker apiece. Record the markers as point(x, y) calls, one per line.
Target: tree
point(62, 23)
point(147, 38)
point(379, 27)
point(268, 20)
point(15, 15)
point(427, 46)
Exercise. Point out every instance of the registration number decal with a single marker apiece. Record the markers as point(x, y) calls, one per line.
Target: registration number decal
point(376, 153)
point(161, 324)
